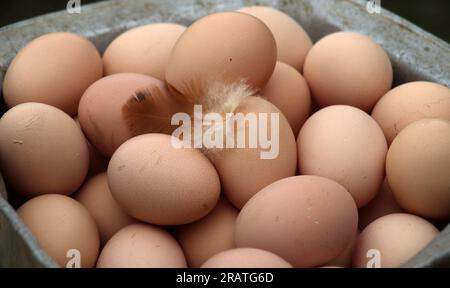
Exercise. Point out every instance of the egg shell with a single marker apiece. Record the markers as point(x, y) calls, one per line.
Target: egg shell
point(100, 110)
point(348, 68)
point(42, 150)
point(246, 258)
point(61, 224)
point(346, 145)
point(395, 238)
point(307, 220)
point(383, 204)
point(243, 172)
point(96, 197)
point(55, 69)
point(155, 182)
point(418, 168)
point(411, 102)
point(208, 236)
point(292, 41)
point(225, 47)
point(142, 246)
point(143, 50)
point(289, 92)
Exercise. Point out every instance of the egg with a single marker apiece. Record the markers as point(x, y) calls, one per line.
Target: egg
point(144, 49)
point(246, 258)
point(96, 197)
point(392, 240)
point(101, 108)
point(244, 171)
point(61, 225)
point(306, 220)
point(42, 150)
point(224, 47)
point(158, 183)
point(289, 92)
point(384, 203)
point(208, 236)
point(410, 102)
point(292, 41)
point(418, 168)
point(55, 69)
point(348, 68)
point(142, 246)
point(346, 145)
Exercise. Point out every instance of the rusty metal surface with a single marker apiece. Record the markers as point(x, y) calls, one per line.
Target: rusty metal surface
point(415, 54)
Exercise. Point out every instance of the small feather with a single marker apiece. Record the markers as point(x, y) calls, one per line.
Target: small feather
point(150, 110)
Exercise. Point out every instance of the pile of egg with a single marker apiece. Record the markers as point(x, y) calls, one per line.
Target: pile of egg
point(86, 147)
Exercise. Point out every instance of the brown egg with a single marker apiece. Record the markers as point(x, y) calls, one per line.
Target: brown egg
point(158, 183)
point(348, 68)
point(344, 259)
point(61, 224)
point(100, 112)
point(418, 168)
point(307, 220)
point(411, 102)
point(141, 246)
point(208, 236)
point(54, 69)
point(383, 204)
point(246, 258)
point(143, 50)
point(96, 197)
point(225, 47)
point(244, 171)
point(42, 150)
point(288, 90)
point(292, 41)
point(392, 240)
point(344, 144)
